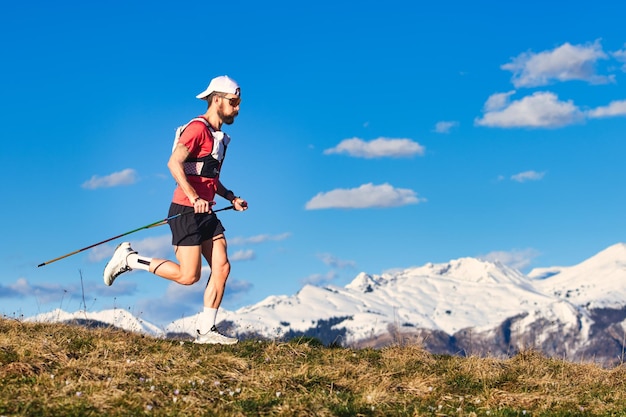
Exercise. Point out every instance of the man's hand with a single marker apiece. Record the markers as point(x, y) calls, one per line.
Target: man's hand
point(240, 204)
point(200, 205)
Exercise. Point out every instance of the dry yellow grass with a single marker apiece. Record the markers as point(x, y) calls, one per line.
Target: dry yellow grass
point(61, 370)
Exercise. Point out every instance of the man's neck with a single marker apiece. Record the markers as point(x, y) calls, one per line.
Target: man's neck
point(214, 120)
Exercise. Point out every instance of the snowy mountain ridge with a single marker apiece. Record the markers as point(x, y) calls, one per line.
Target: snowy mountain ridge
point(446, 297)
point(114, 317)
point(598, 282)
point(464, 303)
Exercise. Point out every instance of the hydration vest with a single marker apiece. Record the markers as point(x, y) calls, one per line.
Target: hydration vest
point(207, 166)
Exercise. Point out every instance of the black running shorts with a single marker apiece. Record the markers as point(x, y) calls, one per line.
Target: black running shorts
point(191, 229)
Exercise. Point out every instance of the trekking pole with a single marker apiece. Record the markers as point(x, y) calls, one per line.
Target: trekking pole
point(148, 226)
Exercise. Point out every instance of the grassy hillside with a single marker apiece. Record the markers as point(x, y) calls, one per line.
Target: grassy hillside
point(61, 370)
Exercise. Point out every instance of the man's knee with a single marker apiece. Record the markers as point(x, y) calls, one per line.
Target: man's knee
point(188, 279)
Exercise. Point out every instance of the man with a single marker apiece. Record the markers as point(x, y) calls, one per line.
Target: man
point(195, 164)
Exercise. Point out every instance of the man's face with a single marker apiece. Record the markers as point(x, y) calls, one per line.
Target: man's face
point(229, 108)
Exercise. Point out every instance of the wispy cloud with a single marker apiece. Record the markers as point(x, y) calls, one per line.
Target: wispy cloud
point(186, 300)
point(243, 255)
point(542, 109)
point(320, 279)
point(365, 196)
point(528, 176)
point(154, 247)
point(124, 177)
point(177, 301)
point(445, 126)
point(377, 148)
point(19, 289)
point(161, 247)
point(258, 239)
point(498, 101)
point(47, 293)
point(325, 278)
point(615, 108)
point(564, 63)
point(335, 262)
point(620, 55)
point(517, 259)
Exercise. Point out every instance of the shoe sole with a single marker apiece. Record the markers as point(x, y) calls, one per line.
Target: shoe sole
point(108, 284)
point(215, 343)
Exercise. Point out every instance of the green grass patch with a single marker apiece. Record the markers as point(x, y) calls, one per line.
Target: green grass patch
point(55, 369)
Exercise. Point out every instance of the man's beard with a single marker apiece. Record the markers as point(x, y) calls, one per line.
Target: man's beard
point(227, 119)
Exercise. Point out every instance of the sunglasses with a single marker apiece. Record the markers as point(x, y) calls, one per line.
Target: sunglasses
point(233, 101)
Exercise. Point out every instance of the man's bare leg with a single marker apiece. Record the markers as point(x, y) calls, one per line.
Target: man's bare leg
point(215, 252)
point(186, 272)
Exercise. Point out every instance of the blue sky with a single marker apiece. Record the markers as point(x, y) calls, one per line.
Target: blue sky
point(372, 136)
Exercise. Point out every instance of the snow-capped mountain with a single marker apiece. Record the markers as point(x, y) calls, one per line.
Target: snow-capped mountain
point(598, 282)
point(443, 297)
point(465, 305)
point(115, 317)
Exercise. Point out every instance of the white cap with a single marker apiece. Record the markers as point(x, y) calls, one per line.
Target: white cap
point(221, 84)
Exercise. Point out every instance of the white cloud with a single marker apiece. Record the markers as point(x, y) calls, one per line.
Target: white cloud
point(335, 262)
point(161, 247)
point(377, 148)
point(185, 300)
point(542, 109)
point(365, 196)
point(45, 292)
point(258, 239)
point(124, 177)
point(620, 55)
point(242, 255)
point(154, 247)
point(517, 259)
point(319, 279)
point(528, 176)
point(100, 253)
point(498, 101)
point(564, 63)
point(615, 108)
point(177, 301)
point(445, 126)
point(55, 293)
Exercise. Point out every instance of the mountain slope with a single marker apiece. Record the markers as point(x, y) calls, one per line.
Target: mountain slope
point(115, 317)
point(465, 305)
point(598, 282)
point(464, 293)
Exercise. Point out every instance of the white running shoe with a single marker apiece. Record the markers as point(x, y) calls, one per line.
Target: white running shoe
point(118, 264)
point(213, 337)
